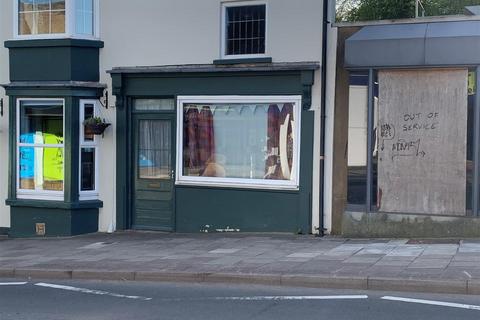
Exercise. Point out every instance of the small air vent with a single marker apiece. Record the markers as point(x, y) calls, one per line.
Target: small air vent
point(40, 229)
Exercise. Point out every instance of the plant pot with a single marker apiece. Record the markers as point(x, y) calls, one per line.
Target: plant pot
point(97, 128)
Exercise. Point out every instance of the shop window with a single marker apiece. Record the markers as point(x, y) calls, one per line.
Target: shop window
point(88, 153)
point(55, 18)
point(250, 141)
point(420, 159)
point(244, 29)
point(40, 149)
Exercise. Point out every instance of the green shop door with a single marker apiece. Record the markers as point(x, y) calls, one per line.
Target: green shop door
point(153, 172)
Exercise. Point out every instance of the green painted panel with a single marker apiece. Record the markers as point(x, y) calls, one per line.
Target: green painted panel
point(58, 222)
point(221, 84)
point(60, 60)
point(247, 210)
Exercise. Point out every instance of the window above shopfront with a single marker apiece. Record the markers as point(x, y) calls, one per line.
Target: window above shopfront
point(40, 19)
point(239, 141)
point(244, 29)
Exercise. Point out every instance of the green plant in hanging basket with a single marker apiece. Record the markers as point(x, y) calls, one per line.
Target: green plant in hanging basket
point(95, 125)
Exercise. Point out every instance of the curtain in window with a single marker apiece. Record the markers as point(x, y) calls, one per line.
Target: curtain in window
point(206, 142)
point(286, 140)
point(198, 140)
point(272, 168)
point(190, 152)
point(154, 149)
point(279, 160)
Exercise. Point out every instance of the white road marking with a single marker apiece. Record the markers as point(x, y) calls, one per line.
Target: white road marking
point(83, 290)
point(263, 298)
point(434, 303)
point(12, 283)
point(96, 245)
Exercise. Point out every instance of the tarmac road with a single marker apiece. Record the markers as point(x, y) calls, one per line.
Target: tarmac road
point(67, 299)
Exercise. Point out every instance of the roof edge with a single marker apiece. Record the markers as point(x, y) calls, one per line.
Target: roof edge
point(215, 68)
point(433, 19)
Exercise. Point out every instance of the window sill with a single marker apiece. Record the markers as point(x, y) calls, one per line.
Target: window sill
point(237, 185)
point(228, 61)
point(53, 204)
point(88, 197)
point(53, 42)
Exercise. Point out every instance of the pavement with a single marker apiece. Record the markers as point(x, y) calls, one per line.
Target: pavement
point(435, 266)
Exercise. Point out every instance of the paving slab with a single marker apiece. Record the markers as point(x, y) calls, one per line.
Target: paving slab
point(279, 259)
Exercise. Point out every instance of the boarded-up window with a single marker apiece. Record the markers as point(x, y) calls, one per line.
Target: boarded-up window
point(422, 141)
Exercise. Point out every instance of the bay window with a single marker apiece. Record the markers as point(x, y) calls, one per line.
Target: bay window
point(239, 141)
point(56, 18)
point(40, 148)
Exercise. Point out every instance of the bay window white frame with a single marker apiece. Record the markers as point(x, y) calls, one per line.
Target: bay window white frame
point(70, 24)
point(223, 32)
point(292, 184)
point(38, 194)
point(87, 194)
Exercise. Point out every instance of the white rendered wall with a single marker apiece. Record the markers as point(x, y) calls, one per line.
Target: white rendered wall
point(153, 32)
point(5, 34)
point(329, 127)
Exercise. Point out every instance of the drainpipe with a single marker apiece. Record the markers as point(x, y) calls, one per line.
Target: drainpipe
point(326, 5)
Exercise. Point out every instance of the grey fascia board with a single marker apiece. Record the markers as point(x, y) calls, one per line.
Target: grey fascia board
point(452, 51)
point(472, 10)
point(401, 31)
point(453, 29)
point(395, 52)
point(453, 43)
point(446, 43)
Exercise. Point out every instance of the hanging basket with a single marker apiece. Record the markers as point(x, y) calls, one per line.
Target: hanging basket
point(97, 128)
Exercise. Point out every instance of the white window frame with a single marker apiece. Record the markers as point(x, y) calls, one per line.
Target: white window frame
point(88, 194)
point(70, 24)
point(292, 184)
point(37, 194)
point(223, 46)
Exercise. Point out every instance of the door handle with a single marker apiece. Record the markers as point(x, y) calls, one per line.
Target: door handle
point(172, 174)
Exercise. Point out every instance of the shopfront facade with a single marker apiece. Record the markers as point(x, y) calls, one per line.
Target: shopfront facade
point(216, 131)
point(410, 129)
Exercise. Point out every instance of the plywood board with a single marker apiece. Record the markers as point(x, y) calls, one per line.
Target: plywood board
point(422, 138)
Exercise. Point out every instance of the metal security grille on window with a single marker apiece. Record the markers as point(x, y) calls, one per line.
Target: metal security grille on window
point(245, 30)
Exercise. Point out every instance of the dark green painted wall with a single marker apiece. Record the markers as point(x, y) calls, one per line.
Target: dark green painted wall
point(58, 222)
point(246, 209)
point(54, 60)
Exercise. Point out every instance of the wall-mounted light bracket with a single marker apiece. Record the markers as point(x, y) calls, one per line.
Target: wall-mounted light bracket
point(1, 107)
point(104, 100)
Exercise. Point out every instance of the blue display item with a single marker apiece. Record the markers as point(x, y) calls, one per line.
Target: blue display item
point(27, 157)
point(143, 162)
